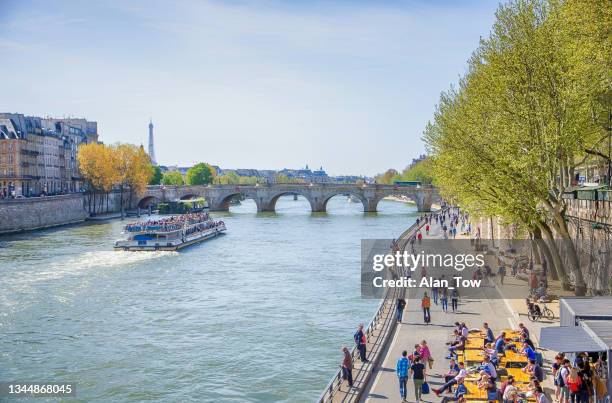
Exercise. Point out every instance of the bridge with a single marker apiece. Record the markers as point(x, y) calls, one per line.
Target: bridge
point(265, 196)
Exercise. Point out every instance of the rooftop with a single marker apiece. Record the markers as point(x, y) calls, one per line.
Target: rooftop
point(589, 306)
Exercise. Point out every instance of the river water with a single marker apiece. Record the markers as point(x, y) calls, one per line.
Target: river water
point(258, 314)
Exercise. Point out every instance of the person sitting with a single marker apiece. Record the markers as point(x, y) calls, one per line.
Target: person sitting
point(534, 370)
point(500, 343)
point(489, 368)
point(460, 392)
point(457, 346)
point(524, 331)
point(459, 377)
point(491, 353)
point(483, 380)
point(489, 337)
point(453, 370)
point(528, 352)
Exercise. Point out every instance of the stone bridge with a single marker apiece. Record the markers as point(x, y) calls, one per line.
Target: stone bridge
point(218, 197)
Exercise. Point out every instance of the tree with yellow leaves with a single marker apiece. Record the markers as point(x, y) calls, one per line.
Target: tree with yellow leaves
point(96, 165)
point(123, 166)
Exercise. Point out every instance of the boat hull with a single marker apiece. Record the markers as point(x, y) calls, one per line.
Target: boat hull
point(174, 245)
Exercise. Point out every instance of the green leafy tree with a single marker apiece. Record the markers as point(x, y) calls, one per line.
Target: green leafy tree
point(173, 178)
point(156, 176)
point(421, 171)
point(200, 174)
point(507, 140)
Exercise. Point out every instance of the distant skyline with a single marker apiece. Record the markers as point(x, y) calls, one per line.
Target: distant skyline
point(346, 85)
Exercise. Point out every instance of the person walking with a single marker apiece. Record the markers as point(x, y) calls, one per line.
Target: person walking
point(360, 341)
point(401, 370)
point(435, 291)
point(347, 366)
point(401, 304)
point(444, 299)
point(417, 370)
point(574, 383)
point(426, 305)
point(454, 299)
point(425, 354)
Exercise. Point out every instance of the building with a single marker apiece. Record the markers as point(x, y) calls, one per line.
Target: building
point(38, 156)
point(585, 326)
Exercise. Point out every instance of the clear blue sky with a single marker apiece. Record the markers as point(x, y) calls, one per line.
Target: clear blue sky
point(348, 85)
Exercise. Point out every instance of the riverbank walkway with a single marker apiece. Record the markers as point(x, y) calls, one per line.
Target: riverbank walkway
point(499, 313)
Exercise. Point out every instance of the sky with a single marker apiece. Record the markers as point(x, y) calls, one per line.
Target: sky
point(269, 84)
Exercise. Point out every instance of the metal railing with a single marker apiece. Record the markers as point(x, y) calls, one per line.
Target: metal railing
point(385, 318)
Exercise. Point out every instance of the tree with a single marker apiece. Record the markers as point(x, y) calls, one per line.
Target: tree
point(200, 174)
point(173, 178)
point(97, 167)
point(422, 171)
point(506, 142)
point(156, 175)
point(390, 176)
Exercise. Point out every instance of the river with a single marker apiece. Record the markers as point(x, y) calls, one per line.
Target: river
point(257, 315)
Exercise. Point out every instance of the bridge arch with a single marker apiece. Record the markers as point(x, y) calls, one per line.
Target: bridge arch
point(222, 203)
point(270, 205)
point(364, 201)
point(148, 200)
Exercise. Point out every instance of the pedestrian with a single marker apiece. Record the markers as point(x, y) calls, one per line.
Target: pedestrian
point(425, 354)
point(402, 373)
point(401, 304)
point(574, 383)
point(435, 290)
point(347, 366)
point(419, 237)
point(444, 299)
point(426, 304)
point(418, 372)
point(427, 229)
point(360, 341)
point(562, 380)
point(501, 270)
point(454, 299)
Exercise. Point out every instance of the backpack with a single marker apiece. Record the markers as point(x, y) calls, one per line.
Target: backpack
point(560, 381)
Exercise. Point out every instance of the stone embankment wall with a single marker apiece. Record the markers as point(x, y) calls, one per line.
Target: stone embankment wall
point(43, 212)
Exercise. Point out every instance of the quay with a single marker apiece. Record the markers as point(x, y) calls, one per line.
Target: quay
point(377, 381)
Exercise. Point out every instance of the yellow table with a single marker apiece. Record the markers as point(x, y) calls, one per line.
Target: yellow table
point(473, 392)
point(473, 356)
point(474, 343)
point(511, 334)
point(476, 335)
point(518, 374)
point(513, 359)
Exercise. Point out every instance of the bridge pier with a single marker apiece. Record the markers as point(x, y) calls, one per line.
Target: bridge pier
point(370, 205)
point(423, 202)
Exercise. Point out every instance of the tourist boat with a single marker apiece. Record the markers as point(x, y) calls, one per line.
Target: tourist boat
point(170, 234)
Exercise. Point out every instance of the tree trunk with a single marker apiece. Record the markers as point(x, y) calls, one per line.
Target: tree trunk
point(544, 250)
point(555, 256)
point(121, 202)
point(570, 249)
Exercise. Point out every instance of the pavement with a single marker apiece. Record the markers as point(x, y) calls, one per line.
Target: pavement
point(500, 314)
